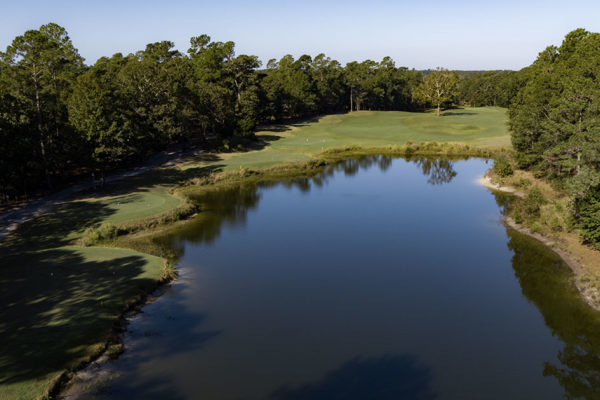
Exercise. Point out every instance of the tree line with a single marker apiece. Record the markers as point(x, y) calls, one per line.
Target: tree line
point(59, 116)
point(554, 121)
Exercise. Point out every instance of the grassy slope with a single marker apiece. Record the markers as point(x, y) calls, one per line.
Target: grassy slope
point(59, 300)
point(484, 126)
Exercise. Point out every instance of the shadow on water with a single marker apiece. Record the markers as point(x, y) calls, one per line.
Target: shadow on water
point(158, 335)
point(544, 278)
point(157, 389)
point(390, 377)
point(548, 282)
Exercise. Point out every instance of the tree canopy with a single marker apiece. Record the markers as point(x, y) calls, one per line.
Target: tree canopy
point(59, 117)
point(555, 122)
point(438, 88)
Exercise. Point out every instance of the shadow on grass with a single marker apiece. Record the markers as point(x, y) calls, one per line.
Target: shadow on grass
point(385, 378)
point(56, 227)
point(56, 304)
point(284, 127)
point(275, 128)
point(168, 176)
point(66, 221)
point(264, 141)
point(452, 113)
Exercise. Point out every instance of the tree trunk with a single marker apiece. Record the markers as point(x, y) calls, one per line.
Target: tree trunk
point(438, 109)
point(350, 98)
point(56, 105)
point(41, 132)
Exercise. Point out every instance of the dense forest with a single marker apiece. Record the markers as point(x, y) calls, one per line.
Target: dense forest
point(60, 117)
point(555, 124)
point(554, 120)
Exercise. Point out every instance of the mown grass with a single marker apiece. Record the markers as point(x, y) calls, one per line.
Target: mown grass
point(60, 299)
point(59, 307)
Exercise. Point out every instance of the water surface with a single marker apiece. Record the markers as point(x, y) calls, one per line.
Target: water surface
point(379, 279)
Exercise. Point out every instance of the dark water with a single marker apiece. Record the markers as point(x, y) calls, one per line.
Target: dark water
point(381, 279)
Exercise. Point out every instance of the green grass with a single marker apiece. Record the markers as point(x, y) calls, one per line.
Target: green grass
point(484, 127)
point(59, 300)
point(131, 206)
point(59, 306)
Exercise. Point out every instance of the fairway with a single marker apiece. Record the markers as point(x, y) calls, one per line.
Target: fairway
point(485, 126)
point(75, 293)
point(131, 206)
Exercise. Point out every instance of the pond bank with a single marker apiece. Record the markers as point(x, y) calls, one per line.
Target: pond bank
point(140, 235)
point(367, 294)
point(580, 258)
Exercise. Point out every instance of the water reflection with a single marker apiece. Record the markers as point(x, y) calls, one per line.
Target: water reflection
point(384, 378)
point(544, 280)
point(437, 171)
point(229, 207)
point(547, 281)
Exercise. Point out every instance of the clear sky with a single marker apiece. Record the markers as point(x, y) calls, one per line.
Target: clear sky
point(459, 34)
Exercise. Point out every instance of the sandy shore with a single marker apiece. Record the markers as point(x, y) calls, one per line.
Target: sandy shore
point(589, 292)
point(487, 182)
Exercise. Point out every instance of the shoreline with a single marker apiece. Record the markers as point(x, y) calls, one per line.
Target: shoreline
point(78, 382)
point(93, 372)
point(61, 386)
point(588, 293)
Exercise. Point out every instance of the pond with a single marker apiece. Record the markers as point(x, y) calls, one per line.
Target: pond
point(379, 279)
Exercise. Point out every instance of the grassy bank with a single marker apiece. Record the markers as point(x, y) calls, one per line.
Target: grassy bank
point(61, 298)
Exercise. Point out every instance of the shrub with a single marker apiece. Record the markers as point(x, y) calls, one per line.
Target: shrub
point(226, 145)
point(502, 167)
point(588, 213)
point(517, 216)
point(114, 351)
point(522, 183)
point(555, 224)
point(533, 201)
point(106, 231)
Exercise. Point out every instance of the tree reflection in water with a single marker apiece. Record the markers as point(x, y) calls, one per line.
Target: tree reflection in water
point(438, 171)
point(544, 278)
point(230, 206)
point(547, 281)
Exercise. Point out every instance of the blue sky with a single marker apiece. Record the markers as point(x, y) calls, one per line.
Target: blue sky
point(458, 35)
